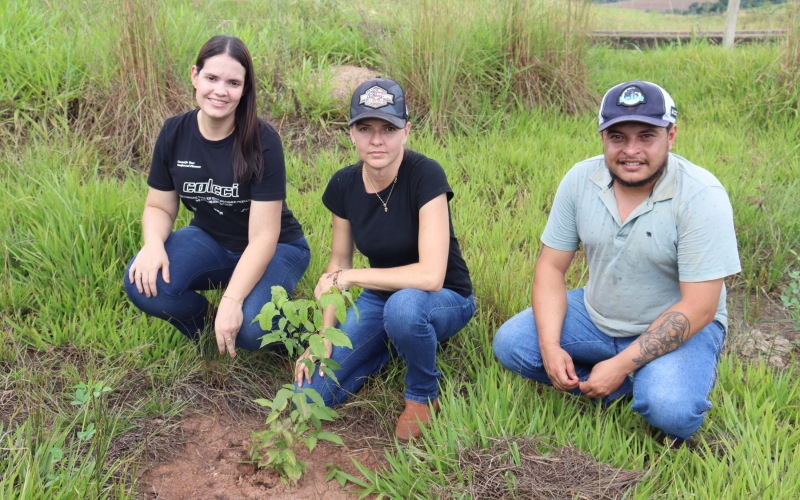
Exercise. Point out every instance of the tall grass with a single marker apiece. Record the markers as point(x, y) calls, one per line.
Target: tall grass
point(127, 110)
point(41, 71)
point(466, 64)
point(547, 46)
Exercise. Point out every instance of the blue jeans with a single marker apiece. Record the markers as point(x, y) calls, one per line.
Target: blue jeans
point(414, 321)
point(198, 262)
point(671, 392)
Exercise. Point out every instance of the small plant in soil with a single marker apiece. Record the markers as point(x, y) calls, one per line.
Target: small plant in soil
point(289, 426)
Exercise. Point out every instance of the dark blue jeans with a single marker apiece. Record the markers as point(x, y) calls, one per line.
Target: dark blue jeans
point(198, 262)
point(670, 392)
point(414, 321)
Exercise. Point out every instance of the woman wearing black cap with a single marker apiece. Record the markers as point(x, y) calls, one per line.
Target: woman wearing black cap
point(393, 206)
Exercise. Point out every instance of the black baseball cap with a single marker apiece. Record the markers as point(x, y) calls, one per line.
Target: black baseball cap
point(381, 98)
point(637, 101)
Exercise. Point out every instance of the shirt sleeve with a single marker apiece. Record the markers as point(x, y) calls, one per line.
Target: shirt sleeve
point(272, 186)
point(159, 176)
point(430, 181)
point(333, 197)
point(706, 237)
point(561, 231)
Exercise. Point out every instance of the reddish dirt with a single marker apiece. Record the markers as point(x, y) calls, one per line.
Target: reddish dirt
point(212, 464)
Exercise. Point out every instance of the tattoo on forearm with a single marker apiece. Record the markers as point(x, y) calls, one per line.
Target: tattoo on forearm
point(666, 337)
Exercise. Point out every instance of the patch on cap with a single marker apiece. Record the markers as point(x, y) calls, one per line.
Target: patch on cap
point(376, 97)
point(673, 112)
point(631, 96)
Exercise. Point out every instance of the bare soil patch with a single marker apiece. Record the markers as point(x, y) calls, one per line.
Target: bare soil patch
point(210, 461)
point(773, 337)
point(537, 471)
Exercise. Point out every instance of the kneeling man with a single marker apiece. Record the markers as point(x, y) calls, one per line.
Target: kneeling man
point(658, 236)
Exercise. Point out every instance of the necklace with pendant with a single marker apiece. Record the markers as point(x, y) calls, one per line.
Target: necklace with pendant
point(385, 208)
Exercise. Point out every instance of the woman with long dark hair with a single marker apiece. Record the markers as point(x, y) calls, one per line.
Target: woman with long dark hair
point(393, 205)
point(226, 166)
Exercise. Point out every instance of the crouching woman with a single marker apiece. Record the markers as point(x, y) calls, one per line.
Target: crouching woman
point(393, 206)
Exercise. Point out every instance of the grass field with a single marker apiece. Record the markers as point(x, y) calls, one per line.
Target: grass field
point(505, 108)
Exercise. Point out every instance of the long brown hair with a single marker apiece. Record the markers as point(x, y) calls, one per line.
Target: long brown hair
point(247, 159)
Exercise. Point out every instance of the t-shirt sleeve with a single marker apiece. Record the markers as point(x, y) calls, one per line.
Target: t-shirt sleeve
point(706, 237)
point(430, 181)
point(159, 176)
point(561, 230)
point(333, 197)
point(272, 186)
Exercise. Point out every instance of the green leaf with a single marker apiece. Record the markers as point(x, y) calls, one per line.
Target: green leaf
point(88, 433)
point(317, 346)
point(331, 363)
point(290, 311)
point(317, 321)
point(263, 402)
point(324, 413)
point(329, 436)
point(337, 337)
point(279, 296)
point(314, 396)
point(279, 403)
point(310, 442)
point(327, 371)
point(282, 324)
point(271, 338)
point(265, 316)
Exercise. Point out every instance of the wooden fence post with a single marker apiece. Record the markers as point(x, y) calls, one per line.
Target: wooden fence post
point(730, 24)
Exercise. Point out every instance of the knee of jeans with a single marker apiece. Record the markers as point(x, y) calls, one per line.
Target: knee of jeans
point(503, 347)
point(672, 412)
point(404, 308)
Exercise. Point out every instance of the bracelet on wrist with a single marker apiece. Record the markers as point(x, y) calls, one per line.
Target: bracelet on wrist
point(336, 283)
point(241, 303)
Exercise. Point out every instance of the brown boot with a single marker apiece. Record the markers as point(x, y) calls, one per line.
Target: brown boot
point(415, 414)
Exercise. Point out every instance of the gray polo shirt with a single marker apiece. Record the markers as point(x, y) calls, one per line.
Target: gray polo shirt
point(682, 232)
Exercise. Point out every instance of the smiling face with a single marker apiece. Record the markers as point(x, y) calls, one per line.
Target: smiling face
point(379, 143)
point(218, 87)
point(637, 153)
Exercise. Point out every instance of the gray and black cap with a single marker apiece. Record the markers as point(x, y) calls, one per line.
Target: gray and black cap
point(637, 101)
point(380, 98)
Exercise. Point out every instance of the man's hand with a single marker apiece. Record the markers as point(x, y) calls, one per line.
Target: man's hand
point(560, 369)
point(606, 377)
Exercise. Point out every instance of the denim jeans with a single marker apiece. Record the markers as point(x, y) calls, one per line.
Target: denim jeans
point(198, 262)
point(414, 321)
point(671, 392)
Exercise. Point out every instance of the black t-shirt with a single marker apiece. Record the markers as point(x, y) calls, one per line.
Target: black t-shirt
point(201, 171)
point(391, 239)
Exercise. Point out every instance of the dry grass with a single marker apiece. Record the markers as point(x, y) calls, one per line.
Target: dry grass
point(529, 468)
point(125, 115)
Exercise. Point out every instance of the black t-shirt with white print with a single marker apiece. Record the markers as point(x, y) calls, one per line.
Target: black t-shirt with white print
point(391, 239)
point(201, 171)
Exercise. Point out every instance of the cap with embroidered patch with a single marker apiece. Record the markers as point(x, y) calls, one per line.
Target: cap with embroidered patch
point(380, 98)
point(637, 101)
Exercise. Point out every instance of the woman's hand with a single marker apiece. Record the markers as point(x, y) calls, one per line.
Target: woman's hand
point(144, 270)
point(324, 284)
point(227, 325)
point(301, 370)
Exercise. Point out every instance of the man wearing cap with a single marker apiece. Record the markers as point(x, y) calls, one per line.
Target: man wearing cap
point(659, 240)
